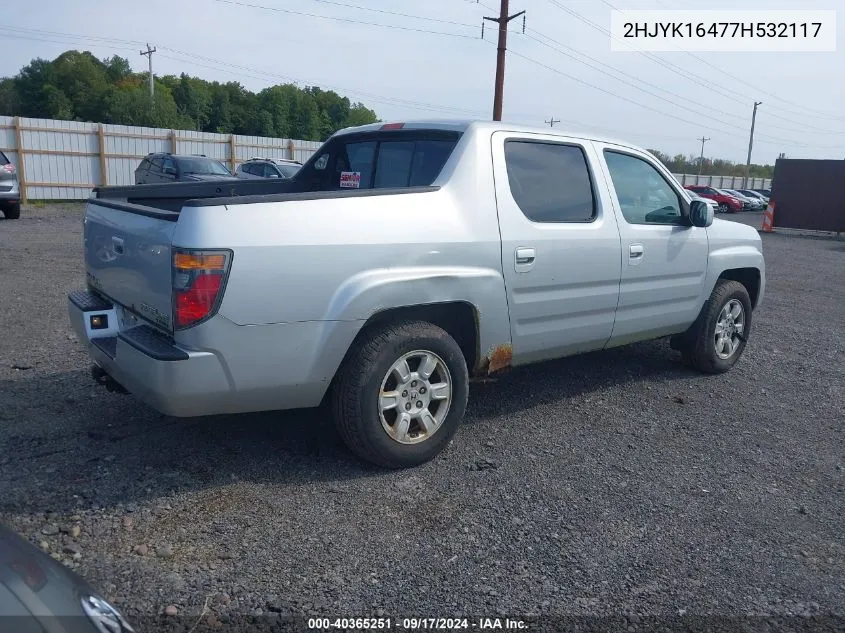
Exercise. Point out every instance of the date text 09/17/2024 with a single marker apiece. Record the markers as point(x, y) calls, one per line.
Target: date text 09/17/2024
point(415, 624)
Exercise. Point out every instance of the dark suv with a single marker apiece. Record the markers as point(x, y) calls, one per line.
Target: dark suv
point(164, 167)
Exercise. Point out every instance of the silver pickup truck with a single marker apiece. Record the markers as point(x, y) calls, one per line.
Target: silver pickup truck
point(401, 260)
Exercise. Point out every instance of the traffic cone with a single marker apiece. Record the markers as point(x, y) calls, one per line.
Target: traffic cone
point(769, 218)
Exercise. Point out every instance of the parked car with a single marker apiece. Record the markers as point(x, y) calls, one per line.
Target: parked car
point(10, 190)
point(754, 194)
point(727, 203)
point(710, 203)
point(268, 168)
point(765, 192)
point(749, 203)
point(164, 167)
point(37, 593)
point(400, 260)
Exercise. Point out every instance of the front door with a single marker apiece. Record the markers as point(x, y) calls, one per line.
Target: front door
point(664, 259)
point(560, 245)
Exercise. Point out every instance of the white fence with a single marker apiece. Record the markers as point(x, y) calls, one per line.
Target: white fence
point(64, 160)
point(724, 182)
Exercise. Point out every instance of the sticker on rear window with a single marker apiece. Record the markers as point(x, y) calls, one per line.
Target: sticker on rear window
point(350, 179)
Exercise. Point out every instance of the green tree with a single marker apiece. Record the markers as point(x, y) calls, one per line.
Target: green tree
point(79, 86)
point(359, 114)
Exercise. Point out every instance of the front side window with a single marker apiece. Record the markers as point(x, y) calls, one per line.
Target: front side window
point(645, 197)
point(550, 182)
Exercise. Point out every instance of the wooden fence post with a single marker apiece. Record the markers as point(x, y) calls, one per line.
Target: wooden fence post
point(20, 166)
point(173, 143)
point(232, 153)
point(292, 149)
point(104, 170)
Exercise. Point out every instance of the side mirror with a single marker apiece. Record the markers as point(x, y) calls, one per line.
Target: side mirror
point(700, 214)
point(170, 171)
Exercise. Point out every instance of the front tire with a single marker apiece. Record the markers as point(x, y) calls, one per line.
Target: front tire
point(401, 393)
point(718, 337)
point(12, 211)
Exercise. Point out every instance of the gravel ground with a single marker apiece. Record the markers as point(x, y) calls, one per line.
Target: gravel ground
point(608, 484)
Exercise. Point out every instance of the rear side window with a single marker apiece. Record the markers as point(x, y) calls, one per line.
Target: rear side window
point(3, 159)
point(379, 161)
point(155, 164)
point(550, 182)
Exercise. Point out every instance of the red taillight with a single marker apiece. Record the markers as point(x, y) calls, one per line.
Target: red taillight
point(198, 280)
point(9, 167)
point(392, 126)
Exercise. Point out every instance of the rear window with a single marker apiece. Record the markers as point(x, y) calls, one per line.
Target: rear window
point(379, 161)
point(200, 165)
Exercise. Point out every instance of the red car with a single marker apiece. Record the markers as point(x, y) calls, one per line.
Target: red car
point(727, 204)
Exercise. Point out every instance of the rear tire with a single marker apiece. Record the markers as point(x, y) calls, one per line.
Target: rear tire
point(397, 422)
point(12, 211)
point(716, 340)
point(724, 208)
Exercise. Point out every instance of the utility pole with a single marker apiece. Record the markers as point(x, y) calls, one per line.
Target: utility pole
point(503, 20)
point(701, 159)
point(149, 53)
point(552, 122)
point(750, 144)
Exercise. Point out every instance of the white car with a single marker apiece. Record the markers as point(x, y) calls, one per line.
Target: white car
point(710, 203)
point(268, 168)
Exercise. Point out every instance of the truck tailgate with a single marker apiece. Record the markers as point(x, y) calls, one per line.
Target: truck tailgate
point(128, 257)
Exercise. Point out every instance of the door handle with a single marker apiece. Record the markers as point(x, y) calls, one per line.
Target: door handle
point(635, 251)
point(525, 256)
point(117, 243)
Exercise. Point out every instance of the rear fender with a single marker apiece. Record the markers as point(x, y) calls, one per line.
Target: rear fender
point(370, 292)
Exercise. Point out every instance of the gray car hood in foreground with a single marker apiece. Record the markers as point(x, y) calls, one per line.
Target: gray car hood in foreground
point(37, 593)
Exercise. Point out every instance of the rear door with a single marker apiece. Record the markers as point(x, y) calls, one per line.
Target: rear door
point(560, 245)
point(664, 259)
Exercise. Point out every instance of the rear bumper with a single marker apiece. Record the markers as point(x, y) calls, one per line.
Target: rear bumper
point(9, 191)
point(175, 381)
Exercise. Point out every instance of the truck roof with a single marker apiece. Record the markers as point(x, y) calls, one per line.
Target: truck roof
point(463, 125)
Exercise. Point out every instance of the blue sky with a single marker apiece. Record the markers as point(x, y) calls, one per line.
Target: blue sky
point(404, 73)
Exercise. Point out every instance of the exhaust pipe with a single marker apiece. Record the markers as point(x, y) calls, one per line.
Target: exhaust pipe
point(102, 378)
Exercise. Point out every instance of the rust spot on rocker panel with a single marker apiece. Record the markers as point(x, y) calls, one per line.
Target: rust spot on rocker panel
point(499, 357)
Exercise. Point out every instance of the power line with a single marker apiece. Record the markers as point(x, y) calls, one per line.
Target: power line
point(396, 13)
point(756, 88)
point(597, 64)
point(648, 107)
point(728, 93)
point(241, 3)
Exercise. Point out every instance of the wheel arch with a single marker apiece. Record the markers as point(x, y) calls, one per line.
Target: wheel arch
point(750, 277)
